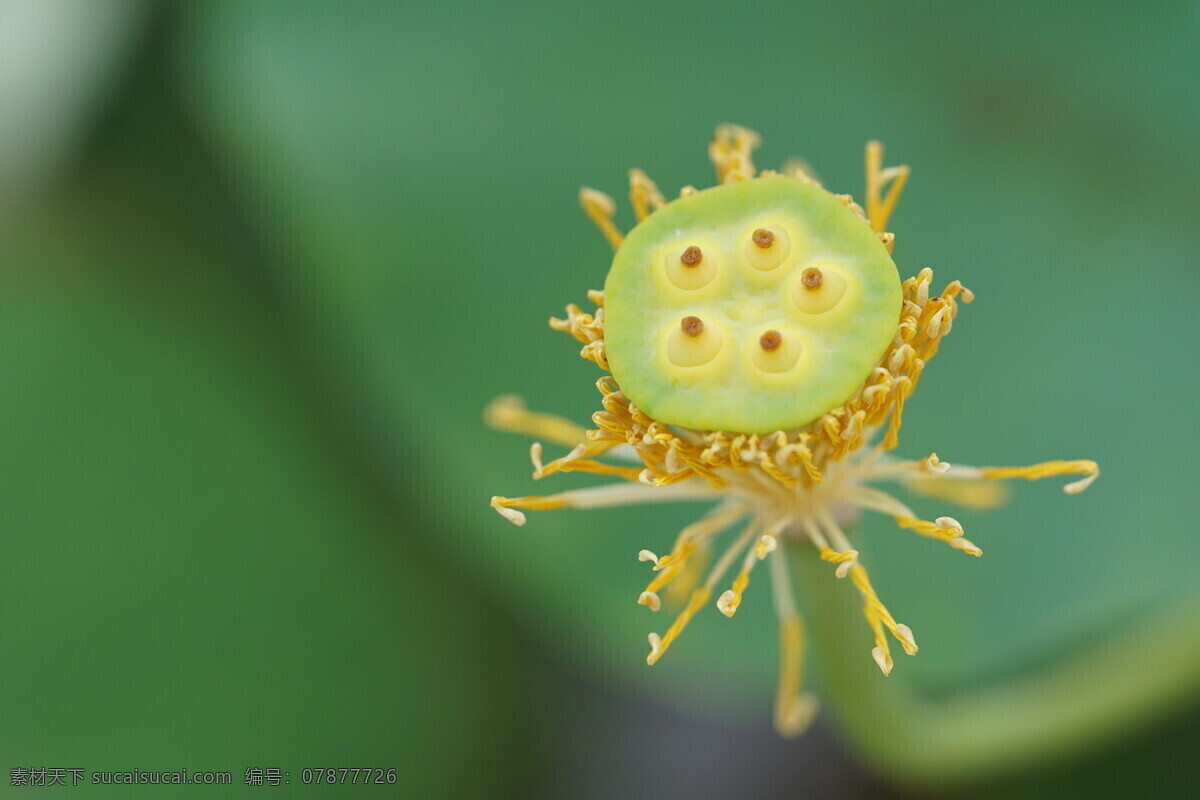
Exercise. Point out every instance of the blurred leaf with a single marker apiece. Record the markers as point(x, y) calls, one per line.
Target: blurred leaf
point(420, 163)
point(58, 63)
point(195, 574)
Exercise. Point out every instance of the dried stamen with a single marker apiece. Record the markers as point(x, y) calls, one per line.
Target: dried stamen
point(692, 326)
point(763, 238)
point(692, 256)
point(812, 278)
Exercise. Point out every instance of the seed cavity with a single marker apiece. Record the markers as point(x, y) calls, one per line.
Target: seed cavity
point(692, 326)
point(770, 340)
point(763, 238)
point(692, 256)
point(812, 278)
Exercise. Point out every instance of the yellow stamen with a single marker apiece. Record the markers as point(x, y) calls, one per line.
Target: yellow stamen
point(1049, 469)
point(650, 600)
point(617, 494)
point(631, 474)
point(729, 601)
point(687, 576)
point(879, 211)
point(794, 711)
point(658, 645)
point(898, 176)
point(874, 162)
point(704, 592)
point(801, 170)
point(644, 195)
point(904, 387)
point(846, 557)
point(967, 492)
point(765, 546)
point(693, 535)
point(600, 208)
point(508, 413)
point(579, 460)
point(767, 543)
point(680, 570)
point(730, 151)
point(844, 560)
point(878, 618)
point(676, 559)
point(935, 466)
point(507, 506)
point(947, 529)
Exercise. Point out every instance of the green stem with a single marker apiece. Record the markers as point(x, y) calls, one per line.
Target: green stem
point(1080, 699)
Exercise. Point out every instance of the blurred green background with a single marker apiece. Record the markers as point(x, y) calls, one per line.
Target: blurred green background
point(263, 264)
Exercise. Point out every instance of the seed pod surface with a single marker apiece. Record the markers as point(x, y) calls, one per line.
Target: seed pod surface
point(780, 343)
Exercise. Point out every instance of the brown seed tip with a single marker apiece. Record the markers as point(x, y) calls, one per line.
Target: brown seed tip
point(812, 278)
point(692, 326)
point(763, 238)
point(692, 256)
point(770, 340)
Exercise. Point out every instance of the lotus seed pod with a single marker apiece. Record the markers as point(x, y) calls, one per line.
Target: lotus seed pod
point(749, 307)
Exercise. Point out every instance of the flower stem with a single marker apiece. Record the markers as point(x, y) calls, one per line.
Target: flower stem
point(1077, 699)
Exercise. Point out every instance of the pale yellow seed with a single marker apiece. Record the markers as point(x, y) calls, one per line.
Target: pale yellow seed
point(776, 351)
point(692, 343)
point(767, 248)
point(691, 268)
point(818, 290)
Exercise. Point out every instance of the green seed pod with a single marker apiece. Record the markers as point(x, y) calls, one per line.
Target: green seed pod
point(749, 307)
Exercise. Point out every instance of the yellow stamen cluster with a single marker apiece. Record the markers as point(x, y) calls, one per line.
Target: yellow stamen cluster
point(792, 486)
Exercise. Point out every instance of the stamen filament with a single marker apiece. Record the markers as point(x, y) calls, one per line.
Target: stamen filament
point(878, 618)
point(947, 529)
point(879, 211)
point(966, 492)
point(508, 413)
point(767, 543)
point(670, 566)
point(600, 208)
point(846, 556)
point(658, 646)
point(878, 500)
point(644, 195)
point(1048, 469)
point(617, 494)
point(794, 711)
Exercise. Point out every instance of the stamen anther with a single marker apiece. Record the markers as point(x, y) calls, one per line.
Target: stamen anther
point(650, 600)
point(934, 466)
point(765, 546)
point(883, 658)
